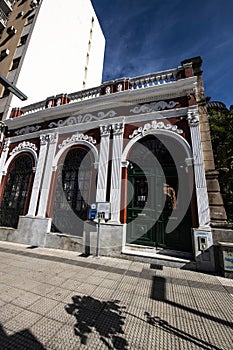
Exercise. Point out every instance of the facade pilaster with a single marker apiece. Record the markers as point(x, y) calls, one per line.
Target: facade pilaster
point(50, 143)
point(3, 157)
point(38, 176)
point(115, 193)
point(103, 163)
point(199, 171)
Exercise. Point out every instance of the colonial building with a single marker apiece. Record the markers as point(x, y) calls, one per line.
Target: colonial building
point(48, 46)
point(141, 144)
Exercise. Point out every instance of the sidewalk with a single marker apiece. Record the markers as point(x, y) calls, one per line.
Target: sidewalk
point(59, 300)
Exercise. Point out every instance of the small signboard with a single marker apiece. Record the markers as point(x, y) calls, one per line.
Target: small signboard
point(105, 209)
point(228, 259)
point(100, 210)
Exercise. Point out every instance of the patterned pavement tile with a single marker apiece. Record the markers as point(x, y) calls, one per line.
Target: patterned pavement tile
point(26, 299)
point(8, 312)
point(109, 283)
point(42, 289)
point(22, 321)
point(64, 339)
point(59, 313)
point(45, 329)
point(43, 306)
point(86, 288)
point(58, 294)
point(102, 293)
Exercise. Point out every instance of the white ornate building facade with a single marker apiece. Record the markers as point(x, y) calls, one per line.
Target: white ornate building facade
point(142, 144)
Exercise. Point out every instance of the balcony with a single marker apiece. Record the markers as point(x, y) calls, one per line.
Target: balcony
point(6, 6)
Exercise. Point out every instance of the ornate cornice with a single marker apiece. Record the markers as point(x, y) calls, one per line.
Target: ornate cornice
point(82, 118)
point(154, 106)
point(75, 138)
point(24, 146)
point(27, 130)
point(154, 125)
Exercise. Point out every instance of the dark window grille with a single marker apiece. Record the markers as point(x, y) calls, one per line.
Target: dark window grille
point(14, 200)
point(72, 193)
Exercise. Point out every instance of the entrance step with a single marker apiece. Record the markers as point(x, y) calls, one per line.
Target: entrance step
point(159, 257)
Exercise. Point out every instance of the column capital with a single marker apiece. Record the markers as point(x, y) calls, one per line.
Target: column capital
point(48, 138)
point(118, 128)
point(105, 130)
point(193, 118)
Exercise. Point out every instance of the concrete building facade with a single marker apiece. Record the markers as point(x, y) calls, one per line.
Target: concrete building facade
point(49, 46)
point(141, 144)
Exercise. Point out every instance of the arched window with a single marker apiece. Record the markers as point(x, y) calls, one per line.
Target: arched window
point(73, 192)
point(16, 193)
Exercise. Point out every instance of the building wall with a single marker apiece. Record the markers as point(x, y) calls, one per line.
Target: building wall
point(65, 54)
point(56, 61)
point(20, 21)
point(122, 114)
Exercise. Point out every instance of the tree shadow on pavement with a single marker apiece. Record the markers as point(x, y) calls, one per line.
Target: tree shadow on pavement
point(103, 317)
point(20, 340)
point(165, 326)
point(158, 293)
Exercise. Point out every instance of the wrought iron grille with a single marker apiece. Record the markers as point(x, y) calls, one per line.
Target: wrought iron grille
point(14, 200)
point(72, 193)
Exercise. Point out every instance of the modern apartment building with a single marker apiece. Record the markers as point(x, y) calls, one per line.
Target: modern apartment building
point(48, 48)
point(17, 19)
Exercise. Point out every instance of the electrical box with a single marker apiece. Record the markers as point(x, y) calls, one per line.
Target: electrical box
point(202, 243)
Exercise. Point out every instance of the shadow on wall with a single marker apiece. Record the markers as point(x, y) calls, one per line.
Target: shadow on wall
point(103, 317)
point(15, 341)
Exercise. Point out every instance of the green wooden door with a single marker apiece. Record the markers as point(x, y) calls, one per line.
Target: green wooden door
point(152, 195)
point(146, 204)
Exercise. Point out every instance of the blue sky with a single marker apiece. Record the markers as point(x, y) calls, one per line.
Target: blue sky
point(145, 36)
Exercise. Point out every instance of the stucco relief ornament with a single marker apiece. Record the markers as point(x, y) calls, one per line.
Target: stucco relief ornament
point(193, 119)
point(117, 128)
point(75, 138)
point(80, 119)
point(105, 130)
point(143, 130)
point(48, 138)
point(154, 106)
point(27, 130)
point(6, 145)
point(26, 145)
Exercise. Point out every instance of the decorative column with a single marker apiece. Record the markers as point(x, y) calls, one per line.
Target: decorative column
point(199, 171)
point(3, 158)
point(103, 163)
point(50, 142)
point(115, 194)
point(38, 176)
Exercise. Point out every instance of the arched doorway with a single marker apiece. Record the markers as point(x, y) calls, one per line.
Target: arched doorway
point(152, 193)
point(15, 198)
point(73, 191)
